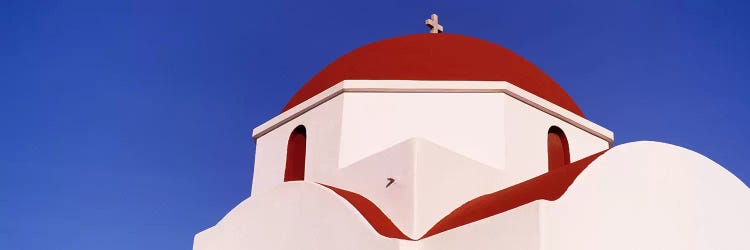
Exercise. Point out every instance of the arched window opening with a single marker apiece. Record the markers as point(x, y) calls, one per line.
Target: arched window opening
point(558, 154)
point(295, 155)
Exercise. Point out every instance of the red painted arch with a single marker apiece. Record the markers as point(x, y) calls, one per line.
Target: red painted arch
point(558, 151)
point(436, 57)
point(295, 155)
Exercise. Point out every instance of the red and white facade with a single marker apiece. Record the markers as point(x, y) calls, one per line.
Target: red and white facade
point(439, 141)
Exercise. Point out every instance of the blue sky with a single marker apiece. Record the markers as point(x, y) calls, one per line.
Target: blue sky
point(127, 124)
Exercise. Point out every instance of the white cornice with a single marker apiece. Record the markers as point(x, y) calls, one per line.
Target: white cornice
point(415, 86)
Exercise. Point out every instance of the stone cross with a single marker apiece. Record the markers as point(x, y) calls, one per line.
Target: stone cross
point(433, 24)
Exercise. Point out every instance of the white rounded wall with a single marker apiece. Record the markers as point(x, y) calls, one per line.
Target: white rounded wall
point(649, 195)
point(291, 216)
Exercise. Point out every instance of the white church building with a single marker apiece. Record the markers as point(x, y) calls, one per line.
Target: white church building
point(444, 141)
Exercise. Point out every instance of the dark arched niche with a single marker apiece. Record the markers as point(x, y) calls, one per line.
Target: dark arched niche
point(558, 154)
point(295, 155)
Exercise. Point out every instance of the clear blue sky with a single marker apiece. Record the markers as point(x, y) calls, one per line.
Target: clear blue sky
point(127, 124)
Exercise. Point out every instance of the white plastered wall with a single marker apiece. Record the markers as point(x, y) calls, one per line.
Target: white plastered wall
point(430, 182)
point(636, 196)
point(517, 229)
point(494, 123)
point(489, 124)
point(649, 195)
point(323, 124)
point(467, 123)
point(293, 215)
point(526, 130)
point(495, 129)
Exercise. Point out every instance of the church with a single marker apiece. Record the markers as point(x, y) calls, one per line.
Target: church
point(442, 141)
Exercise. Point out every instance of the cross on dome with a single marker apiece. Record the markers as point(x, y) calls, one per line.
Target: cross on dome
point(433, 24)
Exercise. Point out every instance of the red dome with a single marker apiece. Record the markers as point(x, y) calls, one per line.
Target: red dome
point(436, 57)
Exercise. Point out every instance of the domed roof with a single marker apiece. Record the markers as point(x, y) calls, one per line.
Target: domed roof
point(436, 57)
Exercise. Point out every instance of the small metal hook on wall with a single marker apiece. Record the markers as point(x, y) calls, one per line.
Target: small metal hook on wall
point(390, 181)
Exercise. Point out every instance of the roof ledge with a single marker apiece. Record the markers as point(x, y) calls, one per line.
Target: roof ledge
point(419, 86)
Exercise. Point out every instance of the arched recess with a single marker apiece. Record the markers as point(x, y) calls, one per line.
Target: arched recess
point(558, 154)
point(295, 155)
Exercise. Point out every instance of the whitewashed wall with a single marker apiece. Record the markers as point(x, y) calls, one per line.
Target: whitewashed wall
point(492, 128)
point(291, 216)
point(526, 129)
point(430, 182)
point(650, 195)
point(323, 124)
point(446, 148)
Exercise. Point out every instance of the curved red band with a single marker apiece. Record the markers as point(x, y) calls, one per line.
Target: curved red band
point(549, 186)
